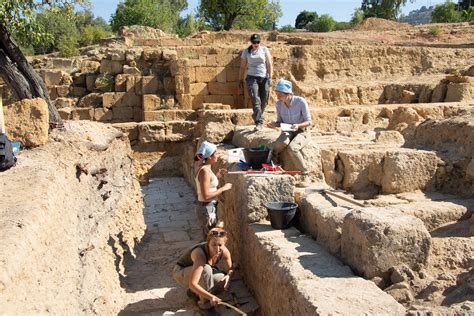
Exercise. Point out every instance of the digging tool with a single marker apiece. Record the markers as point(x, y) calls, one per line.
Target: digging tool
point(233, 307)
point(340, 196)
point(265, 172)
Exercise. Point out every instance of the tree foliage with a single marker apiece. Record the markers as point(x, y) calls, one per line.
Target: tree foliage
point(385, 9)
point(449, 12)
point(305, 17)
point(325, 23)
point(271, 15)
point(161, 14)
point(221, 15)
point(357, 17)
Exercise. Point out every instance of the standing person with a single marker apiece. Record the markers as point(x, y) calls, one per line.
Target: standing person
point(206, 186)
point(206, 268)
point(292, 110)
point(257, 62)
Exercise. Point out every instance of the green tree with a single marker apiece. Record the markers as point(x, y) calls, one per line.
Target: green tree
point(305, 17)
point(271, 15)
point(446, 13)
point(357, 17)
point(325, 23)
point(221, 15)
point(162, 14)
point(186, 26)
point(385, 9)
point(18, 17)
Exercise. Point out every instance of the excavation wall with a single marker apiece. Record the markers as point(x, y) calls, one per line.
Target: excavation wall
point(71, 212)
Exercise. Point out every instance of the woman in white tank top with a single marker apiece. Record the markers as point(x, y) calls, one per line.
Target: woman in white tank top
point(206, 186)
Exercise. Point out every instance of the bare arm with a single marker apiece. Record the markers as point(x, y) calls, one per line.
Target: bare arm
point(199, 261)
point(204, 178)
point(269, 61)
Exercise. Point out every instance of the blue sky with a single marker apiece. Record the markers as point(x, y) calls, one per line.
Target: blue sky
point(340, 10)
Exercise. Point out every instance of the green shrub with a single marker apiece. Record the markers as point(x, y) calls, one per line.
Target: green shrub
point(92, 35)
point(435, 30)
point(104, 83)
point(67, 46)
point(325, 23)
point(446, 13)
point(357, 17)
point(287, 28)
point(343, 26)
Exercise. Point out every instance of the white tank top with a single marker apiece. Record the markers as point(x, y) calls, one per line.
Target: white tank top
point(212, 186)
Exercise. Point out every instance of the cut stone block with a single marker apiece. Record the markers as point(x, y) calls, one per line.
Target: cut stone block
point(376, 239)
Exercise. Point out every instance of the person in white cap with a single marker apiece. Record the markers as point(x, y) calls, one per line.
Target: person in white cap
point(206, 186)
point(292, 110)
point(257, 62)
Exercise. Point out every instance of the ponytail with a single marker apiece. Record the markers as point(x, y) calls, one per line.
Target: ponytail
point(198, 157)
point(249, 49)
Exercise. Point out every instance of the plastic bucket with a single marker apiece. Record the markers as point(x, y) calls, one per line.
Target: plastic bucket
point(281, 213)
point(255, 157)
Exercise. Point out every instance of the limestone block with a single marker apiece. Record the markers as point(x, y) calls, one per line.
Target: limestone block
point(123, 113)
point(224, 99)
point(198, 62)
point(408, 170)
point(131, 70)
point(433, 213)
point(78, 92)
point(197, 101)
point(220, 88)
point(180, 66)
point(113, 99)
point(408, 96)
point(151, 53)
point(232, 74)
point(192, 75)
point(169, 54)
point(26, 121)
point(133, 84)
point(323, 221)
point(90, 66)
point(82, 114)
point(224, 60)
point(265, 189)
point(90, 82)
point(53, 92)
point(79, 80)
point(311, 155)
point(221, 75)
point(185, 101)
point(205, 74)
point(62, 91)
point(169, 85)
point(52, 77)
point(151, 102)
point(389, 137)
point(180, 131)
point(137, 114)
point(215, 106)
point(103, 115)
point(121, 83)
point(182, 84)
point(362, 169)
point(460, 92)
point(151, 85)
point(129, 129)
point(92, 100)
point(376, 239)
point(151, 132)
point(439, 93)
point(199, 88)
point(111, 67)
point(65, 113)
point(328, 162)
point(64, 102)
point(116, 54)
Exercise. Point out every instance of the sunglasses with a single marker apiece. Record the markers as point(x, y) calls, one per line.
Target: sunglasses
point(215, 233)
point(257, 42)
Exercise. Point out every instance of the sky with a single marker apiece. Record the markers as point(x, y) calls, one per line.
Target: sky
point(340, 10)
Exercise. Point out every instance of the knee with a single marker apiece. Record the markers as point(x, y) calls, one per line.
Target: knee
point(207, 270)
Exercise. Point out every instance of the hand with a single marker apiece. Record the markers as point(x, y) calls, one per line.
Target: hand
point(221, 172)
point(215, 300)
point(226, 187)
point(295, 126)
point(269, 81)
point(226, 281)
point(271, 124)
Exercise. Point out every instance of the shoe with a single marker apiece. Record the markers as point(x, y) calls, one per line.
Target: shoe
point(192, 295)
point(258, 127)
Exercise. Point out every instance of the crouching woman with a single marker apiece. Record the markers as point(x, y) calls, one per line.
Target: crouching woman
point(206, 268)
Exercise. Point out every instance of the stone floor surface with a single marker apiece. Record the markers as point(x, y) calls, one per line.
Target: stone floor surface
point(172, 227)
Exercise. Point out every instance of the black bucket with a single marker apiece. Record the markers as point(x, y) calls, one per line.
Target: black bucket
point(281, 213)
point(254, 157)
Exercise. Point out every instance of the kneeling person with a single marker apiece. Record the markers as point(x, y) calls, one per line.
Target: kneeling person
point(206, 268)
point(291, 110)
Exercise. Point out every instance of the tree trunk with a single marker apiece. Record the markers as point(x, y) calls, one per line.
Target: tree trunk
point(22, 78)
point(229, 21)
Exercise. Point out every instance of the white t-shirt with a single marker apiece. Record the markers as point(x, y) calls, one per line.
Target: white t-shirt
point(256, 61)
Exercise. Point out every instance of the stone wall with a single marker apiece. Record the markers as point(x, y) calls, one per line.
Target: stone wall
point(68, 223)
